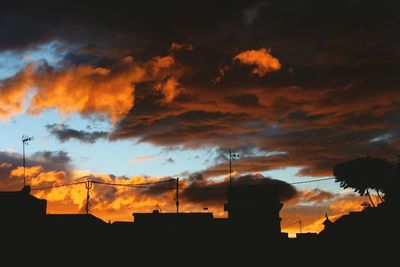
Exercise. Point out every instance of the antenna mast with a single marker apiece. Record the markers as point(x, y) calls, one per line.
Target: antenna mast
point(25, 140)
point(232, 156)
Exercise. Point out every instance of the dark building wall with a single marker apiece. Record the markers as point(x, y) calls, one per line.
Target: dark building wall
point(255, 207)
point(21, 207)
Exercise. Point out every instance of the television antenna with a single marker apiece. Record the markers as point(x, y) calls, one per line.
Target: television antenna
point(232, 156)
point(25, 141)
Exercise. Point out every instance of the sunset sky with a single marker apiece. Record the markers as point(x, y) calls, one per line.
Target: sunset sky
point(155, 90)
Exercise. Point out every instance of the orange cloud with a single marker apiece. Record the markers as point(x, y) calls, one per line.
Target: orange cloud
point(108, 203)
point(263, 60)
point(87, 90)
point(163, 63)
point(12, 90)
point(83, 89)
point(52, 177)
point(169, 88)
point(29, 171)
point(177, 46)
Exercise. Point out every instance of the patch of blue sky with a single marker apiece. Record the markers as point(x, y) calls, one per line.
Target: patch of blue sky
point(12, 131)
point(53, 52)
point(121, 158)
point(12, 61)
point(118, 157)
point(291, 175)
point(115, 157)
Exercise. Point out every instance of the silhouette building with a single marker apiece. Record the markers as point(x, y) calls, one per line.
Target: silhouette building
point(20, 206)
point(255, 207)
point(156, 218)
point(253, 212)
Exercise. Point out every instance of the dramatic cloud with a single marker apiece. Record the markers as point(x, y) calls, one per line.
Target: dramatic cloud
point(263, 60)
point(63, 133)
point(316, 195)
point(244, 100)
point(84, 89)
point(13, 90)
point(216, 190)
point(11, 172)
point(169, 88)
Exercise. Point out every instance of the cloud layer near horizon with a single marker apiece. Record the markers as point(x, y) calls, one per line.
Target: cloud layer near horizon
point(118, 203)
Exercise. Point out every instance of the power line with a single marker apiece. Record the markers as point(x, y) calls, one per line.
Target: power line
point(149, 185)
point(141, 185)
point(313, 181)
point(55, 186)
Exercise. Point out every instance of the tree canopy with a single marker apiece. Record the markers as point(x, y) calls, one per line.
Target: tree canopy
point(364, 173)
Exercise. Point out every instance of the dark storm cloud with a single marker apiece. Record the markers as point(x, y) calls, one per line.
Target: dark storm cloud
point(97, 21)
point(63, 133)
point(52, 157)
point(336, 90)
point(192, 128)
point(244, 100)
point(50, 160)
point(201, 190)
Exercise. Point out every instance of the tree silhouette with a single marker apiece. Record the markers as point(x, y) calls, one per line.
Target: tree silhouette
point(363, 174)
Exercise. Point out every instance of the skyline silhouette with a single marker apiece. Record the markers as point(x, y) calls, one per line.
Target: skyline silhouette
point(253, 219)
point(359, 174)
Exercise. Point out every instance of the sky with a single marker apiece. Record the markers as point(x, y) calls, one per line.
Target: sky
point(159, 90)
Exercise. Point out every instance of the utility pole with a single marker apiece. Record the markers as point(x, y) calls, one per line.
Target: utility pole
point(177, 195)
point(301, 228)
point(25, 140)
point(88, 185)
